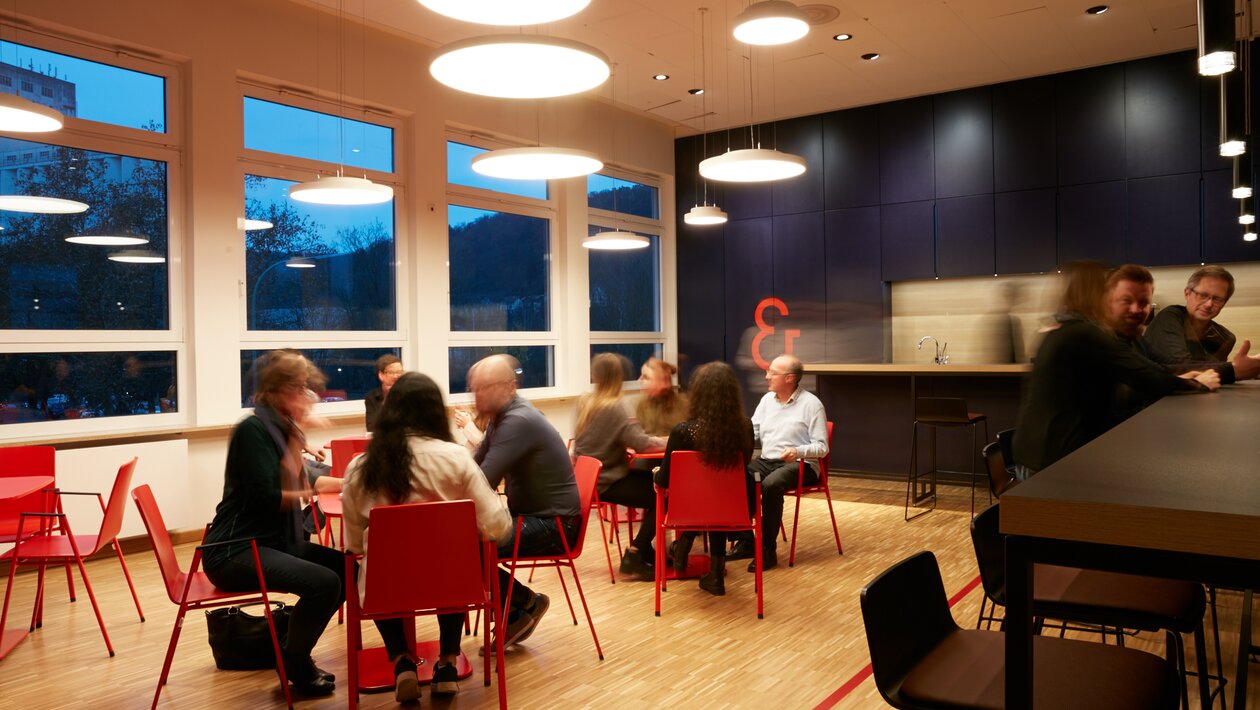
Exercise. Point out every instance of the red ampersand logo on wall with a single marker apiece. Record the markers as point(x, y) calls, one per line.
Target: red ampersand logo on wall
point(765, 330)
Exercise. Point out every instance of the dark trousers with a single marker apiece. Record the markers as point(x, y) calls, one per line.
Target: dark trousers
point(314, 573)
point(539, 537)
point(636, 491)
point(450, 626)
point(777, 476)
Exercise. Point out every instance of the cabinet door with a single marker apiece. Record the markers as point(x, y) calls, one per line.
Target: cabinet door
point(908, 240)
point(749, 278)
point(1210, 127)
point(1164, 220)
point(851, 158)
point(1024, 135)
point(905, 151)
point(701, 296)
point(1024, 231)
point(800, 281)
point(1092, 221)
point(1090, 133)
point(803, 137)
point(855, 288)
point(964, 236)
point(1161, 107)
point(962, 124)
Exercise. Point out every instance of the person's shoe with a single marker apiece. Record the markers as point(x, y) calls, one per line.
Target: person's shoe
point(743, 550)
point(325, 674)
point(406, 685)
point(682, 552)
point(445, 680)
point(714, 581)
point(534, 613)
point(632, 562)
point(769, 560)
point(304, 677)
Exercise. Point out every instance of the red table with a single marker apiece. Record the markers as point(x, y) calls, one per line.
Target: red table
point(17, 487)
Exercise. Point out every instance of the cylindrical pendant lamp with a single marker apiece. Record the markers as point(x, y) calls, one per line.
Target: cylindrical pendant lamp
point(1216, 37)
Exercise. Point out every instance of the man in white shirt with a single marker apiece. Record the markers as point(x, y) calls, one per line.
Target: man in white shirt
point(791, 424)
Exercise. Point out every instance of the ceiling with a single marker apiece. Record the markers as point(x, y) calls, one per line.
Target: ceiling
point(925, 47)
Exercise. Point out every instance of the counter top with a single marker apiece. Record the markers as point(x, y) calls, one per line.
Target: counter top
point(916, 368)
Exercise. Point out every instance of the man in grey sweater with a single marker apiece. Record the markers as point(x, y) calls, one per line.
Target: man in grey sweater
point(523, 450)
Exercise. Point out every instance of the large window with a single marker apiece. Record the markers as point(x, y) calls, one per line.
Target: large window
point(537, 364)
point(500, 266)
point(604, 192)
point(459, 171)
point(92, 329)
point(317, 267)
point(288, 130)
point(351, 372)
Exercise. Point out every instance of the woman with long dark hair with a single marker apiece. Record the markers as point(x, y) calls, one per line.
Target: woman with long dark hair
point(718, 429)
point(263, 486)
point(413, 458)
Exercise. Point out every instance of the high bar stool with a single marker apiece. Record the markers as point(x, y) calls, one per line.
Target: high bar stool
point(937, 412)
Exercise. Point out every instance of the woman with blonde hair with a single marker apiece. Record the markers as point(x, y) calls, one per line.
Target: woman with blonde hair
point(662, 406)
point(605, 431)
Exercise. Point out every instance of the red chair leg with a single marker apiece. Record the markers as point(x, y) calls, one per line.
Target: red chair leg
point(577, 582)
point(170, 652)
point(612, 577)
point(835, 530)
point(69, 585)
point(78, 560)
point(567, 600)
point(757, 533)
point(37, 610)
point(127, 574)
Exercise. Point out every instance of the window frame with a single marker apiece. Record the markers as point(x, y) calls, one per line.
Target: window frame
point(167, 147)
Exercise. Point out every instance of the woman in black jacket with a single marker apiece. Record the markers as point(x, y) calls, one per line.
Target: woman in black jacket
point(262, 491)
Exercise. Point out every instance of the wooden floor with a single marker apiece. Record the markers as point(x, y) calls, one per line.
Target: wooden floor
point(704, 652)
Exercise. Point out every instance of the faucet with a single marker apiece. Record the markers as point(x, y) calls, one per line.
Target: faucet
point(940, 358)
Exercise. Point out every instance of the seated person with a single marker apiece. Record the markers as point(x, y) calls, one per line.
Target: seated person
point(524, 450)
point(1189, 337)
point(792, 425)
point(604, 431)
point(662, 406)
point(469, 427)
point(388, 369)
point(1073, 394)
point(412, 459)
point(263, 486)
point(718, 429)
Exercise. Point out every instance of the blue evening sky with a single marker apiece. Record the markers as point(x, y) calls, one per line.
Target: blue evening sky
point(330, 217)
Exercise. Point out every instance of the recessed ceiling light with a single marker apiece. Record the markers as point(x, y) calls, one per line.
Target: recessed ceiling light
point(1097, 10)
point(871, 56)
point(660, 77)
point(695, 92)
point(842, 37)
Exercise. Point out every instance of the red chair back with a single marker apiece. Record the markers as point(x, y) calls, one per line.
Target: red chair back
point(24, 461)
point(111, 524)
point(452, 574)
point(702, 495)
point(172, 575)
point(825, 462)
point(586, 473)
point(343, 450)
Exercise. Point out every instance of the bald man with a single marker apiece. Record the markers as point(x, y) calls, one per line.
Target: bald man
point(524, 450)
point(792, 426)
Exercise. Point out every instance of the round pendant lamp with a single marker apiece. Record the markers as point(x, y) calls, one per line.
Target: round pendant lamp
point(21, 115)
point(701, 215)
point(507, 12)
point(752, 165)
point(41, 205)
point(770, 22)
point(253, 225)
point(137, 256)
point(341, 190)
point(108, 240)
point(616, 241)
point(536, 163)
point(520, 66)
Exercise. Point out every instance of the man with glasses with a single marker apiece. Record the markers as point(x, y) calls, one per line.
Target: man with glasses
point(388, 369)
point(1189, 336)
point(523, 449)
point(791, 425)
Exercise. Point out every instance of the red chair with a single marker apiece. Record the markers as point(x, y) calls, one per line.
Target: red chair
point(824, 464)
point(343, 450)
point(193, 590)
point(703, 499)
point(63, 546)
point(449, 576)
point(28, 461)
point(586, 471)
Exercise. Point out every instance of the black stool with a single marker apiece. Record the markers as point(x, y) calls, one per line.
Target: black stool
point(938, 412)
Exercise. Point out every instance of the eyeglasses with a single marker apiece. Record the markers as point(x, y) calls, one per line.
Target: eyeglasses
point(392, 373)
point(773, 373)
point(488, 385)
point(1216, 300)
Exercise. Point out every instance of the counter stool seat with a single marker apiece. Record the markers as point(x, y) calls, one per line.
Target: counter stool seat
point(942, 412)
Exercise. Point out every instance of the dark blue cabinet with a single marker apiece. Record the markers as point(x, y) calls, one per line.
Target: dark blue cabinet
point(1024, 231)
point(1164, 220)
point(964, 236)
point(851, 158)
point(1222, 234)
point(1092, 221)
point(1161, 115)
point(856, 293)
point(962, 123)
point(1089, 110)
point(907, 241)
point(803, 137)
point(1023, 135)
point(749, 275)
point(906, 151)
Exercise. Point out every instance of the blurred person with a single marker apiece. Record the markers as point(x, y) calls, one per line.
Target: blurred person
point(604, 431)
point(388, 369)
point(662, 406)
point(718, 429)
point(1072, 395)
point(525, 452)
point(264, 483)
point(1189, 337)
point(412, 458)
point(470, 427)
point(791, 424)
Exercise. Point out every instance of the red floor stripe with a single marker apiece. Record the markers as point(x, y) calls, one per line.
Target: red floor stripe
point(857, 679)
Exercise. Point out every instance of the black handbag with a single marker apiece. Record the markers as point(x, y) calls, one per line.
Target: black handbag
point(240, 641)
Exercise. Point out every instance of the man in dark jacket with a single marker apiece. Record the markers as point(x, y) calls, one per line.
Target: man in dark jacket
point(1189, 336)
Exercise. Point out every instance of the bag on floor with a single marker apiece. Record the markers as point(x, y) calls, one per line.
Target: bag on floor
point(240, 641)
